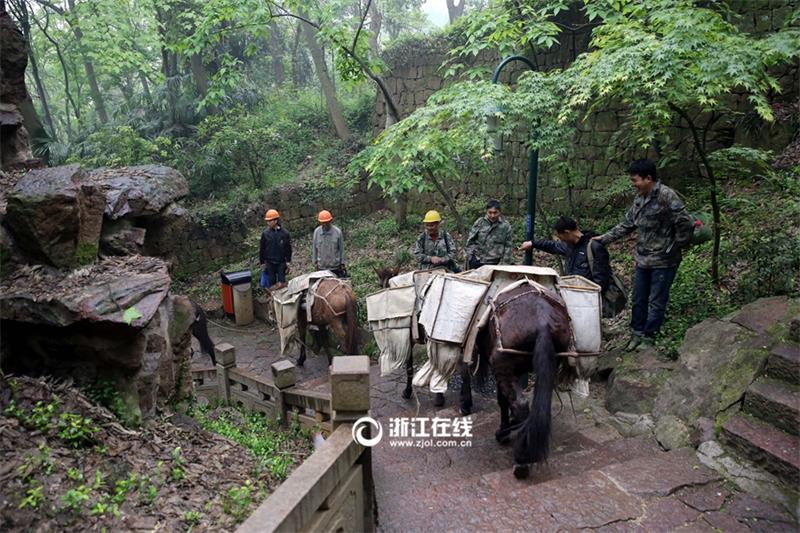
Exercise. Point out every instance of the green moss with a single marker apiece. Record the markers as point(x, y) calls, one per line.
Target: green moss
point(86, 253)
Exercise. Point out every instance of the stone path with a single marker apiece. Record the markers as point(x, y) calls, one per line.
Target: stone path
point(595, 479)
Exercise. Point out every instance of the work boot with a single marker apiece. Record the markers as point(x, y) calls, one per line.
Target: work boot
point(646, 344)
point(635, 341)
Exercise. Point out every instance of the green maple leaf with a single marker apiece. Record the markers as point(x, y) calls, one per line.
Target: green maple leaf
point(131, 314)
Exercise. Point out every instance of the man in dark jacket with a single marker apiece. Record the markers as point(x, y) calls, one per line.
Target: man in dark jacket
point(571, 244)
point(664, 227)
point(275, 251)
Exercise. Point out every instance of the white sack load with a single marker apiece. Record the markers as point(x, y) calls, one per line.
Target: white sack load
point(442, 363)
point(582, 297)
point(286, 307)
point(449, 305)
point(389, 313)
point(301, 283)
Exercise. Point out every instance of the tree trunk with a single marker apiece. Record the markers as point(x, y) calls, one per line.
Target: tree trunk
point(375, 22)
point(68, 96)
point(145, 86)
point(88, 66)
point(40, 90)
point(276, 50)
point(328, 90)
point(454, 11)
point(708, 170)
point(200, 77)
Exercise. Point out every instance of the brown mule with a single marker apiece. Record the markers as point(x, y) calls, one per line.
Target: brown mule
point(335, 306)
point(527, 328)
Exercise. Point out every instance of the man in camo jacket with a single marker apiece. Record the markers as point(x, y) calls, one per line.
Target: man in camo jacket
point(489, 241)
point(665, 227)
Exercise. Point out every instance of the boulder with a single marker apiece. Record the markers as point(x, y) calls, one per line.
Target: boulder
point(56, 215)
point(121, 237)
point(139, 191)
point(124, 290)
point(635, 383)
point(719, 360)
point(671, 433)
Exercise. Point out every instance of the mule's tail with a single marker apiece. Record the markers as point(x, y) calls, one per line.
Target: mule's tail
point(533, 442)
point(353, 335)
point(200, 332)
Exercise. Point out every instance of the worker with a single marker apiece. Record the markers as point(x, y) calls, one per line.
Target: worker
point(489, 241)
point(327, 247)
point(435, 247)
point(275, 251)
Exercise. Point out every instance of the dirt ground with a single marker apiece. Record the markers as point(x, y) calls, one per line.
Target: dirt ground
point(69, 465)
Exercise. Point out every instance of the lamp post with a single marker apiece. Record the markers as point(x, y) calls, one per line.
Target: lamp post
point(533, 159)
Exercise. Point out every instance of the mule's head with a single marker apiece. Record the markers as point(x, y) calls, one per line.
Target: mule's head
point(385, 274)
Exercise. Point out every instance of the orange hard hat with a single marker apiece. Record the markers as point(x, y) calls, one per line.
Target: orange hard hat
point(272, 214)
point(325, 216)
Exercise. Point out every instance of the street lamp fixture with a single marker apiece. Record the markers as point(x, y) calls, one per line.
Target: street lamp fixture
point(533, 155)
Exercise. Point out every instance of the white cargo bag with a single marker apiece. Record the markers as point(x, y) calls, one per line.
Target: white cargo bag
point(582, 297)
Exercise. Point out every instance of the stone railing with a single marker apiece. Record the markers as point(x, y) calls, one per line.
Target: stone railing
point(333, 489)
point(278, 398)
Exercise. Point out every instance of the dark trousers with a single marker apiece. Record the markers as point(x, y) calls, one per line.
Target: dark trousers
point(276, 273)
point(650, 296)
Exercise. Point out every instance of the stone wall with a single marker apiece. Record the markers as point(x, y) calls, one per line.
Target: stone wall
point(212, 240)
point(597, 160)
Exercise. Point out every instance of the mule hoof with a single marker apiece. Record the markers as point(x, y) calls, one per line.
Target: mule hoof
point(503, 436)
point(438, 400)
point(466, 410)
point(522, 471)
point(406, 394)
point(301, 361)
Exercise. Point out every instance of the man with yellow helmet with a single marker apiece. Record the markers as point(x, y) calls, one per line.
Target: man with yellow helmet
point(435, 247)
point(275, 250)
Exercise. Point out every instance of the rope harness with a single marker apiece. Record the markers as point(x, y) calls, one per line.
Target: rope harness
point(324, 297)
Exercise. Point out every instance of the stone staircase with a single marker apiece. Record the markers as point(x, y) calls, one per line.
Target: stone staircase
point(595, 479)
point(767, 431)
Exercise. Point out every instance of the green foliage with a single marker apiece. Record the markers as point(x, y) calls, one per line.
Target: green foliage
point(75, 430)
point(192, 518)
point(237, 501)
point(177, 473)
point(34, 496)
point(116, 146)
point(692, 299)
point(106, 393)
point(262, 436)
point(39, 419)
point(74, 499)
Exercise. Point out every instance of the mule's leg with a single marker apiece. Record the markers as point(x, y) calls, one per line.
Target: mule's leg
point(438, 399)
point(339, 330)
point(466, 389)
point(503, 434)
point(409, 374)
point(325, 343)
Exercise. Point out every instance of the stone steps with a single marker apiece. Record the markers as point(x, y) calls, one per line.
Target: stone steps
point(773, 450)
point(784, 363)
point(776, 402)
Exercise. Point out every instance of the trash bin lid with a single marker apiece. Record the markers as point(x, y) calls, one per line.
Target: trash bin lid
point(236, 278)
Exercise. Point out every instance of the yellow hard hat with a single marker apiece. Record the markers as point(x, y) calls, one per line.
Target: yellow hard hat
point(325, 216)
point(272, 214)
point(432, 216)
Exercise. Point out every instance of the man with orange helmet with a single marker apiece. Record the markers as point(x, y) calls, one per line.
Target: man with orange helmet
point(275, 251)
point(327, 248)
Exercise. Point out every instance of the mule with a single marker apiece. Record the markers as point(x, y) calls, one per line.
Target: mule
point(200, 332)
point(384, 275)
point(527, 329)
point(335, 308)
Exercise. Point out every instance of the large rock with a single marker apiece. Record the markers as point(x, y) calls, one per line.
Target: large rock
point(139, 191)
point(635, 382)
point(719, 361)
point(56, 216)
point(121, 237)
point(125, 291)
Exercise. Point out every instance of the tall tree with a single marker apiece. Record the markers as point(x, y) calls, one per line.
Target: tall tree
point(339, 123)
point(455, 9)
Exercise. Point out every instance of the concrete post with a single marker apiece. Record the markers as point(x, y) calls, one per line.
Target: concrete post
point(226, 360)
point(283, 377)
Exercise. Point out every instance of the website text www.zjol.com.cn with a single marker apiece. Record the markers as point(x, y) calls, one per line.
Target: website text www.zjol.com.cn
point(429, 443)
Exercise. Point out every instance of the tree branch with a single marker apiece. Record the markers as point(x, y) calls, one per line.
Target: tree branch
point(361, 25)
